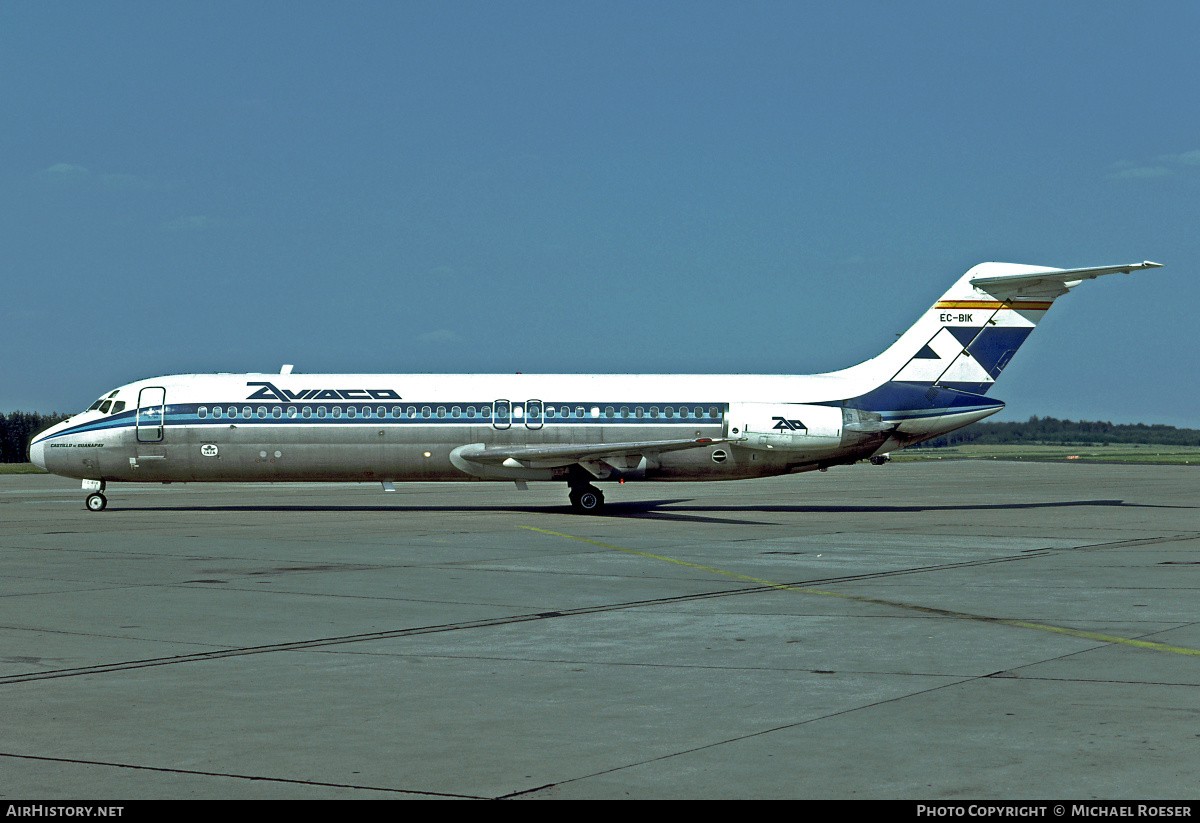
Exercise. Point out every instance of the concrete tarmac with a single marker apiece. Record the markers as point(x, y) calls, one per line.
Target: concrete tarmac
point(932, 631)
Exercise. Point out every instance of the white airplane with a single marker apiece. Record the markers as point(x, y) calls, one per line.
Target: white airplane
point(577, 428)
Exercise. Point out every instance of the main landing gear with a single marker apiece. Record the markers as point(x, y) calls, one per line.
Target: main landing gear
point(587, 499)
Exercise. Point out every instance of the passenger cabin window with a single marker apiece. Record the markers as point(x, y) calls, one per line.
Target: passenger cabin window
point(306, 411)
point(217, 411)
point(202, 412)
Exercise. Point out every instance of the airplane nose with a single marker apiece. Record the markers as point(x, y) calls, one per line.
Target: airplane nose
point(37, 453)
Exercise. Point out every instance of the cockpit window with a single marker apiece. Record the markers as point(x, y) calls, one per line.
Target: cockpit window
point(118, 406)
point(105, 402)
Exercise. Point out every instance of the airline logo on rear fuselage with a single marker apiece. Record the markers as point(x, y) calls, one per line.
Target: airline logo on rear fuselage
point(270, 391)
point(782, 424)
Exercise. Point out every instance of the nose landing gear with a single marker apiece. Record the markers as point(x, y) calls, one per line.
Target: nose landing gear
point(96, 501)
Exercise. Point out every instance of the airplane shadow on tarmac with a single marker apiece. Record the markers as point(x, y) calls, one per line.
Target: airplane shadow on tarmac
point(681, 509)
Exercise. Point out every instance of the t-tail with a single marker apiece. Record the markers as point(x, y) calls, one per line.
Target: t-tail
point(950, 358)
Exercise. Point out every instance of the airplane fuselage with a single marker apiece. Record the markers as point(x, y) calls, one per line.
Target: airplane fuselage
point(254, 427)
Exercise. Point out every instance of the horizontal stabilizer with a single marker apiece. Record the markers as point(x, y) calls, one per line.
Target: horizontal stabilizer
point(1049, 282)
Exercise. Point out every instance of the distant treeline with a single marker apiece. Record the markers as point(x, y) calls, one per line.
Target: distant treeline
point(18, 428)
point(1052, 431)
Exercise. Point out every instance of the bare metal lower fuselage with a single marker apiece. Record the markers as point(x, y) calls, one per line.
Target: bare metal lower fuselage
point(381, 450)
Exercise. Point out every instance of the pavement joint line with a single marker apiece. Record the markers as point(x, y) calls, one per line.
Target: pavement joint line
point(232, 776)
point(713, 744)
point(342, 640)
point(1003, 621)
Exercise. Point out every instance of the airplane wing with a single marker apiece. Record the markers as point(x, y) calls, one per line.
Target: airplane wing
point(1049, 282)
point(617, 455)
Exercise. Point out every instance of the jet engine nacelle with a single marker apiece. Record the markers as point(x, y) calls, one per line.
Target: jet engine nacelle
point(801, 427)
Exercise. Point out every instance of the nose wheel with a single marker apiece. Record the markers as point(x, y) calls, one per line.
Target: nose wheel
point(587, 500)
point(95, 502)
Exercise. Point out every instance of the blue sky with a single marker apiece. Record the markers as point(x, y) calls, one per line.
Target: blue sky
point(591, 187)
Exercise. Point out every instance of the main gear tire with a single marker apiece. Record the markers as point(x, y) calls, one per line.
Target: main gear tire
point(587, 500)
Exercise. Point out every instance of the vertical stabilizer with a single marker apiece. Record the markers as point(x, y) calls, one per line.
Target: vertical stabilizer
point(971, 333)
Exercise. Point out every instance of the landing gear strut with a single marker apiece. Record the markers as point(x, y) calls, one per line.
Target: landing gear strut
point(587, 499)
